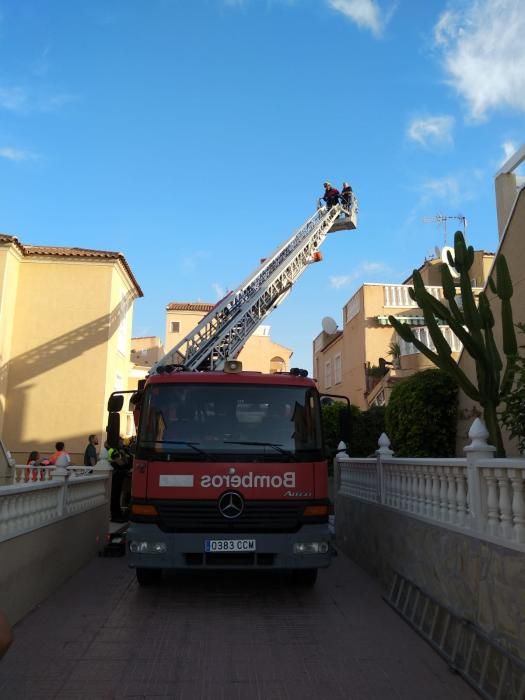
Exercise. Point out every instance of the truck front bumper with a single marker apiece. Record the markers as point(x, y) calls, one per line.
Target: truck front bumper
point(277, 551)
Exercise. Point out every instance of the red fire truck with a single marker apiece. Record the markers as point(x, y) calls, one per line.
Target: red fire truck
point(229, 468)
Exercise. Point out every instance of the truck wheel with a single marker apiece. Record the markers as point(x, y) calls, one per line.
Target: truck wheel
point(148, 577)
point(304, 577)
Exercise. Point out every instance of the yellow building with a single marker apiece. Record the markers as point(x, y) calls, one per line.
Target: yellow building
point(260, 353)
point(510, 205)
point(359, 361)
point(65, 330)
point(146, 350)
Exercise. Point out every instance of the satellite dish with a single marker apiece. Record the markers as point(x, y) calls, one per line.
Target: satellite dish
point(329, 325)
point(444, 259)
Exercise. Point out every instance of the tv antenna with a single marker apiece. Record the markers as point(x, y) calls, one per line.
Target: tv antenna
point(442, 219)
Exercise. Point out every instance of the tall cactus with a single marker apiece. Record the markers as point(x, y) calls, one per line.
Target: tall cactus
point(473, 325)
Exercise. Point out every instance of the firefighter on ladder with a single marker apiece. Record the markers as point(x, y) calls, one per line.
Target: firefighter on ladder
point(331, 195)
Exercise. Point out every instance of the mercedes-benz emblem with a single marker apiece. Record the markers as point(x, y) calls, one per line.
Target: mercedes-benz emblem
point(231, 505)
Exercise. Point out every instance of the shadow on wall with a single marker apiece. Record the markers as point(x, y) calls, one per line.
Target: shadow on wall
point(44, 358)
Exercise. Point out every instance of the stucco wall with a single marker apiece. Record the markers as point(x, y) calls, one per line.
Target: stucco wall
point(477, 580)
point(35, 564)
point(70, 344)
point(259, 351)
point(59, 354)
point(9, 269)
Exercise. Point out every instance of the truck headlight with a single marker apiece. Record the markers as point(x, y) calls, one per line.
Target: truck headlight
point(310, 548)
point(144, 547)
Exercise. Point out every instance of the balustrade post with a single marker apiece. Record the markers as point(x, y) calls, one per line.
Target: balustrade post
point(518, 503)
point(382, 452)
point(339, 459)
point(461, 495)
point(504, 503)
point(477, 450)
point(443, 488)
point(61, 475)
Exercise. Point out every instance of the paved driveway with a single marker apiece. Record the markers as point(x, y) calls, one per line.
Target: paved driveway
point(221, 635)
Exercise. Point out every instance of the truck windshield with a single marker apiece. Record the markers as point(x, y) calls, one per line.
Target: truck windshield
point(278, 423)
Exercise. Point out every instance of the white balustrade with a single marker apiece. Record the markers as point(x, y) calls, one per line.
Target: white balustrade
point(43, 495)
point(361, 480)
point(479, 494)
point(85, 492)
point(24, 473)
point(502, 488)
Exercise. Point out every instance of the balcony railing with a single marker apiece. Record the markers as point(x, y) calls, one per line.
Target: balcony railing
point(397, 296)
point(422, 334)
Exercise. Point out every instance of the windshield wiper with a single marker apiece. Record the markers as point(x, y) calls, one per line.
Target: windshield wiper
point(275, 446)
point(193, 445)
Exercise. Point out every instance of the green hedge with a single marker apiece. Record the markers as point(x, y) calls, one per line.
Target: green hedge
point(365, 428)
point(421, 415)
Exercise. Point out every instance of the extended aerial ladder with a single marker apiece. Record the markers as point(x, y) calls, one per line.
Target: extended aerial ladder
point(223, 332)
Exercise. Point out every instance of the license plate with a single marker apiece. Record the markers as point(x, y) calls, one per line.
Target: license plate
point(229, 545)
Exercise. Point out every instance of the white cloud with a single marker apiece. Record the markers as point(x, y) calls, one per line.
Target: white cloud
point(509, 149)
point(339, 281)
point(441, 188)
point(22, 100)
point(483, 53)
point(453, 190)
point(431, 130)
point(219, 290)
point(15, 154)
point(365, 13)
point(13, 98)
point(191, 262)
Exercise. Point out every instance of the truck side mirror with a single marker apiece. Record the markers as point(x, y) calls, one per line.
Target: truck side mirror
point(113, 429)
point(115, 403)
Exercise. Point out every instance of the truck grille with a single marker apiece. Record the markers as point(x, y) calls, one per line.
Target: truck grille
point(204, 516)
point(229, 559)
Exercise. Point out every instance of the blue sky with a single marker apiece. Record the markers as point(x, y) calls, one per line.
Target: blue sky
point(194, 137)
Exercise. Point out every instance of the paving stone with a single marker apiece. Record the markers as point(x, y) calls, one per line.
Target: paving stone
point(221, 636)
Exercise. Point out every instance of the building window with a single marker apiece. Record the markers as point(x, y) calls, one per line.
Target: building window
point(337, 369)
point(277, 364)
point(175, 327)
point(328, 374)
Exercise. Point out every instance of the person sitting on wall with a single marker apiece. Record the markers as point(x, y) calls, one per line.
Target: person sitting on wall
point(60, 458)
point(33, 461)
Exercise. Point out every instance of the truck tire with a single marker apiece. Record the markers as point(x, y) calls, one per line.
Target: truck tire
point(148, 577)
point(304, 577)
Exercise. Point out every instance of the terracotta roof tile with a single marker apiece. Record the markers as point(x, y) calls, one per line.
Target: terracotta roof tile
point(189, 306)
point(65, 252)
